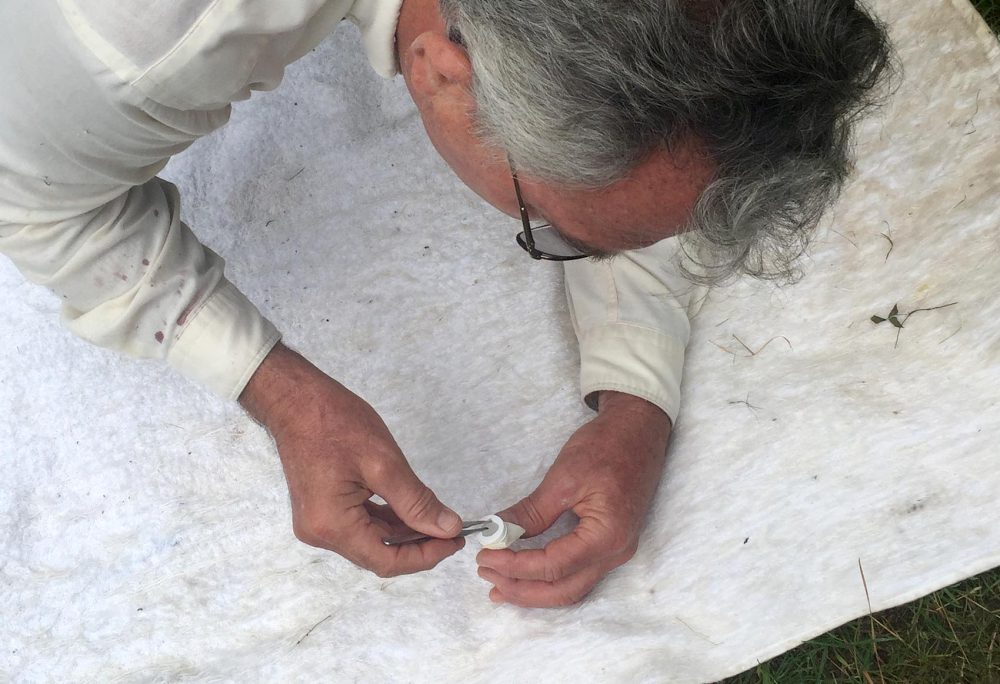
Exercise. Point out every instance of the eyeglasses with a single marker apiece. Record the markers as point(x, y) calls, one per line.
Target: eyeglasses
point(542, 242)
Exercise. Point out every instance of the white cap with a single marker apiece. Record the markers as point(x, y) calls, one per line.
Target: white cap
point(500, 534)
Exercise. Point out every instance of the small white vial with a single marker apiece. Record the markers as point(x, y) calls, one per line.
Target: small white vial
point(499, 534)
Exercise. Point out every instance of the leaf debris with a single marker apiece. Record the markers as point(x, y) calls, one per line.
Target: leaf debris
point(889, 238)
point(893, 317)
point(312, 628)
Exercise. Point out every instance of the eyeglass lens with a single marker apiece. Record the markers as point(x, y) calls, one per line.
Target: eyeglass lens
point(548, 241)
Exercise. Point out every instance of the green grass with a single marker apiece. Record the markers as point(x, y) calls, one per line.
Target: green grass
point(948, 637)
point(990, 9)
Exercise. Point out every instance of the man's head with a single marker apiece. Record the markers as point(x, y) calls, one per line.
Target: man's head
point(634, 120)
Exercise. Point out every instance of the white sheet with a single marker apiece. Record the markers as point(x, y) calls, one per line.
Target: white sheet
point(144, 526)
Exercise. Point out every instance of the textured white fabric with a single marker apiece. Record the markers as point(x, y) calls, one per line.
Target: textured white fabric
point(145, 530)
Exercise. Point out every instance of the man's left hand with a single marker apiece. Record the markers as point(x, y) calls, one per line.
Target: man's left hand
point(606, 474)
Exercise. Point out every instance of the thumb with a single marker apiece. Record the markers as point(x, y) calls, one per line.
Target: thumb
point(540, 509)
point(413, 501)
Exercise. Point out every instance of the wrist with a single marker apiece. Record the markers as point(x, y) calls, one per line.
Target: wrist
point(274, 385)
point(620, 404)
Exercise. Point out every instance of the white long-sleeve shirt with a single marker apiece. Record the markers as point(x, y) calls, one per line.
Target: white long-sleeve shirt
point(97, 95)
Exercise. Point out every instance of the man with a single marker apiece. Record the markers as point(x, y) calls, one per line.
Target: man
point(621, 123)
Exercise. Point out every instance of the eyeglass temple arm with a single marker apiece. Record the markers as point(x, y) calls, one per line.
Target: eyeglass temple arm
point(528, 238)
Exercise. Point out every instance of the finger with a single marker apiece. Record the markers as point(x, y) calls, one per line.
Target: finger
point(535, 594)
point(540, 509)
point(385, 513)
point(412, 500)
point(366, 549)
point(588, 543)
point(358, 538)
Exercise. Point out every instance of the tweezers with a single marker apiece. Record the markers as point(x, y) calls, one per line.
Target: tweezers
point(468, 527)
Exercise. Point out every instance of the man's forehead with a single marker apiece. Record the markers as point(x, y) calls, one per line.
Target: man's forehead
point(652, 203)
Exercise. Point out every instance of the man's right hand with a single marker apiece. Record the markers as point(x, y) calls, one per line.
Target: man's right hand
point(337, 452)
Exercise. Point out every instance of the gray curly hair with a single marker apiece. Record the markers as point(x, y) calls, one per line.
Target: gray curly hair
point(578, 92)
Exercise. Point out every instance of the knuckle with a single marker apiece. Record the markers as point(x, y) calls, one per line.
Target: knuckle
point(567, 487)
point(423, 504)
point(552, 573)
point(531, 515)
point(378, 469)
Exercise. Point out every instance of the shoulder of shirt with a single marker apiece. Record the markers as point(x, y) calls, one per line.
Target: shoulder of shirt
point(205, 54)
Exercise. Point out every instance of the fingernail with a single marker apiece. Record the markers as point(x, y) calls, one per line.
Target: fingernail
point(449, 522)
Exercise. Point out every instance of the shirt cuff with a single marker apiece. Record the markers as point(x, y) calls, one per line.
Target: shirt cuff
point(224, 342)
point(633, 360)
point(377, 20)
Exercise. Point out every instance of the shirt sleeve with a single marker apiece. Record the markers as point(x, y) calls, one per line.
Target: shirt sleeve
point(82, 213)
point(631, 316)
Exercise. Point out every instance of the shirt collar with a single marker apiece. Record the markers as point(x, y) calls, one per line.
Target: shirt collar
point(377, 20)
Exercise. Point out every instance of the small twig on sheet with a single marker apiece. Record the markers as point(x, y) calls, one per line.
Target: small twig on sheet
point(965, 196)
point(749, 406)
point(703, 636)
point(893, 318)
point(312, 628)
point(968, 121)
point(907, 317)
point(871, 617)
point(295, 175)
point(951, 335)
point(718, 324)
point(728, 351)
point(930, 308)
point(846, 238)
point(889, 238)
point(776, 337)
point(750, 352)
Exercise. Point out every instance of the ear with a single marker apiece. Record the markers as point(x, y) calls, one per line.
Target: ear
point(437, 65)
